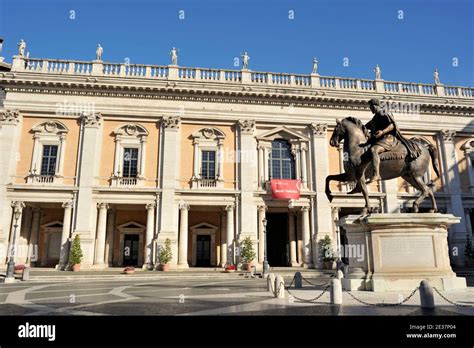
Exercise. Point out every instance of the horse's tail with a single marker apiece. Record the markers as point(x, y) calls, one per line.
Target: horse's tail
point(434, 158)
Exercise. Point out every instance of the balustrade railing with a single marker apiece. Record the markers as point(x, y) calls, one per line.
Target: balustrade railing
point(314, 81)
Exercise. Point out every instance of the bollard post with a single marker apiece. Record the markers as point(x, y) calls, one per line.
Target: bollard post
point(336, 292)
point(339, 275)
point(271, 283)
point(426, 295)
point(279, 287)
point(26, 274)
point(298, 280)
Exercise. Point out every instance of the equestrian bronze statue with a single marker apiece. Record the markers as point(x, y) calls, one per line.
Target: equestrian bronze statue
point(378, 151)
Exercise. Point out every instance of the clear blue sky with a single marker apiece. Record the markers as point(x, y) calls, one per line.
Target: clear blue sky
point(213, 32)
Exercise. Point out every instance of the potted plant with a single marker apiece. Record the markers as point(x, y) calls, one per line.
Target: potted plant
point(165, 256)
point(247, 253)
point(468, 253)
point(229, 268)
point(328, 256)
point(129, 270)
point(19, 269)
point(76, 255)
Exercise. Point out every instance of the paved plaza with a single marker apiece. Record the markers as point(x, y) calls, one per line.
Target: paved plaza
point(211, 294)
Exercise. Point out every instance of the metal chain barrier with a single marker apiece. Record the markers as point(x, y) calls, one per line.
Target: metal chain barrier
point(383, 304)
point(452, 302)
point(310, 300)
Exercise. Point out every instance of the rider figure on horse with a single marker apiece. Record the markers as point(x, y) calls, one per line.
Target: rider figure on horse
point(385, 136)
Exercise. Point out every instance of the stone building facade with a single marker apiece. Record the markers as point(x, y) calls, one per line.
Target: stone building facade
point(127, 156)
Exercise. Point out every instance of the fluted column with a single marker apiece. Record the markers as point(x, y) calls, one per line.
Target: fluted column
point(150, 226)
point(183, 237)
point(223, 232)
point(306, 238)
point(34, 232)
point(101, 228)
point(292, 235)
point(261, 233)
point(64, 252)
point(230, 233)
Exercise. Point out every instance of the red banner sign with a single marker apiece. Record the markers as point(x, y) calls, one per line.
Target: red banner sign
point(285, 189)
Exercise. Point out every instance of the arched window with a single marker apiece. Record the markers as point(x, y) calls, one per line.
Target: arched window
point(281, 162)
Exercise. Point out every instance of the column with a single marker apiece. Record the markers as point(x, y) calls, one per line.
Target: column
point(34, 233)
point(150, 228)
point(183, 237)
point(86, 209)
point(143, 139)
point(64, 252)
point(15, 232)
point(101, 228)
point(266, 174)
point(109, 246)
point(223, 231)
point(196, 158)
point(457, 233)
point(35, 155)
point(299, 239)
point(292, 238)
point(306, 238)
point(220, 158)
point(295, 150)
point(304, 165)
point(62, 147)
point(261, 233)
point(230, 233)
point(117, 156)
point(261, 165)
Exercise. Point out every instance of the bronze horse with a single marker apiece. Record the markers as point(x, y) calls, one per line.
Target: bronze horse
point(358, 167)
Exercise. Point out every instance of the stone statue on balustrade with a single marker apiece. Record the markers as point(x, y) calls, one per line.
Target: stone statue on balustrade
point(436, 77)
point(378, 72)
point(315, 66)
point(174, 56)
point(98, 52)
point(378, 151)
point(245, 60)
point(21, 48)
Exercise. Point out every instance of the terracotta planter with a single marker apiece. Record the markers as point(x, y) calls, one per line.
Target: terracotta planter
point(129, 272)
point(76, 267)
point(165, 268)
point(329, 264)
point(18, 271)
point(247, 266)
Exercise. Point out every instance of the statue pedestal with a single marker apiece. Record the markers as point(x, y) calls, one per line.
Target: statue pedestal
point(394, 252)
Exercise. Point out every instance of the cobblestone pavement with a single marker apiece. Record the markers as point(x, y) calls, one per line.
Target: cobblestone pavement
point(236, 296)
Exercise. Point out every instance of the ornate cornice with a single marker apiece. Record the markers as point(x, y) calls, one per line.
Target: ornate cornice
point(8, 116)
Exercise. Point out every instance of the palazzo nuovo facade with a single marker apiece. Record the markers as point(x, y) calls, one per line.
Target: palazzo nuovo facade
point(129, 155)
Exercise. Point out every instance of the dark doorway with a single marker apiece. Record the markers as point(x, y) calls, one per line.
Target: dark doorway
point(130, 249)
point(277, 239)
point(203, 250)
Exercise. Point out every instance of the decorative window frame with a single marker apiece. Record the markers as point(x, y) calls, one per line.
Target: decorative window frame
point(47, 133)
point(208, 139)
point(205, 229)
point(130, 135)
point(300, 145)
point(468, 148)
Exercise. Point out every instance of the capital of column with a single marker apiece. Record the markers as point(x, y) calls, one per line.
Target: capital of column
point(304, 209)
point(67, 205)
point(171, 122)
point(150, 206)
point(18, 205)
point(8, 116)
point(103, 206)
point(304, 147)
point(91, 120)
point(184, 206)
point(229, 207)
point(246, 126)
point(262, 208)
point(447, 135)
point(319, 129)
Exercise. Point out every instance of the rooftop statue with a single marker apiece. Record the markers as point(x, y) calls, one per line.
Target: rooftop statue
point(245, 60)
point(378, 151)
point(174, 56)
point(98, 52)
point(21, 48)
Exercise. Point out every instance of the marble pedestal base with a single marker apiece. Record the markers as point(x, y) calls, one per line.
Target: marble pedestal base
point(395, 252)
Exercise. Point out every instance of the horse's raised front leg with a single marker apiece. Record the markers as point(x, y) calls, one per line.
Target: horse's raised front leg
point(329, 178)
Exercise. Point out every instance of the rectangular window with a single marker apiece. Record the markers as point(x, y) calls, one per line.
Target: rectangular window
point(130, 162)
point(48, 162)
point(208, 164)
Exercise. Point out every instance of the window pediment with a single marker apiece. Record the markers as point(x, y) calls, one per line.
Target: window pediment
point(468, 146)
point(50, 127)
point(131, 130)
point(282, 132)
point(209, 133)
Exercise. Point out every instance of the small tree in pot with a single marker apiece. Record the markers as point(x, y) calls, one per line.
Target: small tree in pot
point(327, 254)
point(165, 256)
point(247, 253)
point(76, 255)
